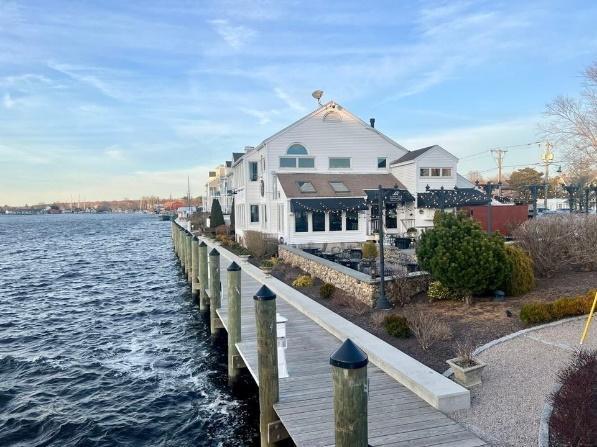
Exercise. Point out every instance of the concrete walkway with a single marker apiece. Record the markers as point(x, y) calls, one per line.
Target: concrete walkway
point(520, 374)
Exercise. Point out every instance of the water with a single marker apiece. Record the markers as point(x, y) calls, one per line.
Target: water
point(100, 344)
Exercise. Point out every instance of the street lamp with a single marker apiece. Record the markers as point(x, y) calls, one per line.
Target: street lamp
point(534, 190)
point(488, 189)
point(571, 189)
point(382, 302)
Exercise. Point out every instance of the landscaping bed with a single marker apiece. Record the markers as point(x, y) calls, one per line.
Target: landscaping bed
point(482, 322)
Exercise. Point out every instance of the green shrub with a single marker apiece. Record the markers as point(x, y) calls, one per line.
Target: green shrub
point(540, 312)
point(303, 281)
point(217, 217)
point(396, 326)
point(522, 277)
point(267, 264)
point(461, 256)
point(437, 291)
point(326, 290)
point(369, 250)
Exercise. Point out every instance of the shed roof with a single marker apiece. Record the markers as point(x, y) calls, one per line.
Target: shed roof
point(355, 183)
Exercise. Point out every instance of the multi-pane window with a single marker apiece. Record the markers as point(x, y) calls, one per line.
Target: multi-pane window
point(382, 162)
point(253, 171)
point(306, 162)
point(301, 222)
point(254, 213)
point(318, 221)
point(446, 172)
point(299, 160)
point(352, 220)
point(339, 187)
point(335, 221)
point(288, 162)
point(435, 172)
point(339, 163)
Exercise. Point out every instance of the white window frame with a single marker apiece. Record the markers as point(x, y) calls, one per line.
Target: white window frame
point(251, 214)
point(340, 158)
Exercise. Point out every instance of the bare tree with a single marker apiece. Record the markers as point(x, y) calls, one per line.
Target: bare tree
point(572, 124)
point(473, 176)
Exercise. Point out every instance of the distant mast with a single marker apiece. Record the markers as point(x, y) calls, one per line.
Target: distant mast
point(188, 194)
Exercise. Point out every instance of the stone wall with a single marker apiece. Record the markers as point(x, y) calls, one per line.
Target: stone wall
point(357, 284)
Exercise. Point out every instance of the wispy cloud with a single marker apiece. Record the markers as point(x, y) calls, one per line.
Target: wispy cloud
point(7, 101)
point(236, 36)
point(114, 153)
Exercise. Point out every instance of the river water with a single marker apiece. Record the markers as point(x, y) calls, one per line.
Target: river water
point(100, 344)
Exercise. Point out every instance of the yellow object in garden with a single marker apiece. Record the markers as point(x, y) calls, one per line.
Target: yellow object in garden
point(584, 333)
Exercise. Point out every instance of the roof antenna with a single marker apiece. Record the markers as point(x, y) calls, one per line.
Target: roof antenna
point(317, 94)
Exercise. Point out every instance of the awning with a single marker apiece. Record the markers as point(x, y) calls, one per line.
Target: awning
point(329, 204)
point(391, 195)
point(451, 198)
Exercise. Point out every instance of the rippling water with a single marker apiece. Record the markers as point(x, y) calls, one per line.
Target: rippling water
point(100, 343)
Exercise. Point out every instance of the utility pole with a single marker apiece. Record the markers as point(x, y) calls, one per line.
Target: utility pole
point(498, 155)
point(547, 158)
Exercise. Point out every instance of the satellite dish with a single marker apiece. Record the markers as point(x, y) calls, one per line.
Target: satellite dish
point(317, 94)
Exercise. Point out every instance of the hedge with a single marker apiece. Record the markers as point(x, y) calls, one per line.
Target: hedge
point(544, 312)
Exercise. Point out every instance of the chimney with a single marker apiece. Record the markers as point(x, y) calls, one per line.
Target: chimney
point(372, 121)
point(248, 148)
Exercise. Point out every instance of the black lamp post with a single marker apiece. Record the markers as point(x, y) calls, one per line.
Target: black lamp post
point(382, 302)
point(488, 189)
point(571, 189)
point(534, 190)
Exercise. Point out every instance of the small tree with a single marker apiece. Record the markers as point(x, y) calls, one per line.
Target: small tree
point(461, 256)
point(217, 218)
point(232, 218)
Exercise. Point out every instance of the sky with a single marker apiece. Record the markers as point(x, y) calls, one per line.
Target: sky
point(106, 99)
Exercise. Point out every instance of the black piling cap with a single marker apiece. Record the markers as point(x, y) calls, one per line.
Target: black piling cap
point(195, 238)
point(264, 294)
point(234, 267)
point(202, 244)
point(349, 356)
point(214, 252)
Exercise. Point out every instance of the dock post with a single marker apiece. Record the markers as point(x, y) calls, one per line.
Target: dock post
point(182, 249)
point(350, 395)
point(234, 334)
point(190, 257)
point(203, 299)
point(267, 361)
point(194, 266)
point(214, 290)
point(176, 241)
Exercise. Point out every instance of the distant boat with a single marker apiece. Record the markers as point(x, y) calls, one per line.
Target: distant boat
point(166, 216)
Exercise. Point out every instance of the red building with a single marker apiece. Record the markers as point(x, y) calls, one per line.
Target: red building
point(504, 217)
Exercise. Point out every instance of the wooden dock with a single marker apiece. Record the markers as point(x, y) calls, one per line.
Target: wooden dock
point(396, 416)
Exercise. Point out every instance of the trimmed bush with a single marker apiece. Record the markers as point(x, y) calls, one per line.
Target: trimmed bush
point(259, 244)
point(461, 256)
point(522, 277)
point(540, 312)
point(437, 291)
point(369, 250)
point(303, 281)
point(396, 326)
point(326, 290)
point(217, 217)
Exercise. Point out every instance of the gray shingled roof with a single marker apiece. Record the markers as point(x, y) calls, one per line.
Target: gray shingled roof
point(413, 154)
point(237, 155)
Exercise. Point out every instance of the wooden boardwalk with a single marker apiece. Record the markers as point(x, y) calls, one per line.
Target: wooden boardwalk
point(397, 417)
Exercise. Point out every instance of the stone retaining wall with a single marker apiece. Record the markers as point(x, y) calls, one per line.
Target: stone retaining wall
point(357, 284)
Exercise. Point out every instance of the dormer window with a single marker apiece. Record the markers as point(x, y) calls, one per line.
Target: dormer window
point(297, 157)
point(339, 187)
point(305, 186)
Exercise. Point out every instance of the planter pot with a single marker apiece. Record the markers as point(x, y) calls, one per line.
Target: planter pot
point(499, 296)
point(266, 270)
point(468, 376)
point(244, 258)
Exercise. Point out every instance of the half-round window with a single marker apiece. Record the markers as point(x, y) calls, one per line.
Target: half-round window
point(297, 149)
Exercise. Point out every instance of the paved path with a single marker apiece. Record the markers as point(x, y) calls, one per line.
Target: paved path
point(520, 374)
point(397, 417)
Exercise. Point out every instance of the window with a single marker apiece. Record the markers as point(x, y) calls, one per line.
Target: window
point(253, 171)
point(424, 172)
point(287, 162)
point(254, 213)
point(306, 162)
point(301, 224)
point(318, 221)
point(305, 187)
point(435, 172)
point(340, 163)
point(391, 216)
point(382, 162)
point(339, 187)
point(336, 221)
point(297, 149)
point(352, 220)
point(446, 172)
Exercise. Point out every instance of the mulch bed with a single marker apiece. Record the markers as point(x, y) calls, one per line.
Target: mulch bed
point(480, 323)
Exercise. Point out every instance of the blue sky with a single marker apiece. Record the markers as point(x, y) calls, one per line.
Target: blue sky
point(112, 99)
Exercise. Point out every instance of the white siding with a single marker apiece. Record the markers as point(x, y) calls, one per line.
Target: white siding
point(407, 174)
point(436, 158)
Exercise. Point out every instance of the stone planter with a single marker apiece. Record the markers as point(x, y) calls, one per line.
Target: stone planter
point(469, 376)
point(266, 270)
point(244, 258)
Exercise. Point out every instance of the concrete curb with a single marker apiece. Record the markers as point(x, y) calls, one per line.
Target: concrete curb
point(497, 341)
point(543, 438)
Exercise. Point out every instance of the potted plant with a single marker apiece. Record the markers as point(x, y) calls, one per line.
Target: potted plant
point(267, 266)
point(411, 232)
point(466, 368)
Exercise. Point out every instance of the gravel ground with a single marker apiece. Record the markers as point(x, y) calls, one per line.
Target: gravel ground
point(520, 373)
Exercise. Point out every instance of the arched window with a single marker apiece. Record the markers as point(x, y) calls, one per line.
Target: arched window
point(297, 149)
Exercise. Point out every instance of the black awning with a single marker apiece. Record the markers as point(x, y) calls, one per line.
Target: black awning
point(451, 198)
point(335, 204)
point(391, 195)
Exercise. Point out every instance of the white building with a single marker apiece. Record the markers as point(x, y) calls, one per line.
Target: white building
point(310, 182)
point(218, 187)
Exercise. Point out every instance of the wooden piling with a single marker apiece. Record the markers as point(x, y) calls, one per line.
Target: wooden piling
point(190, 257)
point(203, 298)
point(349, 373)
point(267, 361)
point(182, 249)
point(214, 291)
point(194, 266)
point(234, 315)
